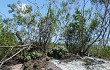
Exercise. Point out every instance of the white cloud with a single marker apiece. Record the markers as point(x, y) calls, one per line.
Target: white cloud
point(22, 8)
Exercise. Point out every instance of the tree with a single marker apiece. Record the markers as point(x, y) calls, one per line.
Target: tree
point(32, 28)
point(7, 38)
point(78, 33)
point(103, 33)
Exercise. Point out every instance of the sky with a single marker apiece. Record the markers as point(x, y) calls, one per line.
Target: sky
point(4, 9)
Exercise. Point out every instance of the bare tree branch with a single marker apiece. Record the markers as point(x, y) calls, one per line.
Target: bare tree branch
point(19, 46)
point(103, 18)
point(11, 56)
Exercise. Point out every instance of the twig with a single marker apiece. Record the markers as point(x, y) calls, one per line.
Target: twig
point(3, 14)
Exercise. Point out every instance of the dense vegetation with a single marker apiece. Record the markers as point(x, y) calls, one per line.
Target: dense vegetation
point(66, 27)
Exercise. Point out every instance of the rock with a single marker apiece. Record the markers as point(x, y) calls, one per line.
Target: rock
point(14, 67)
point(79, 64)
point(43, 69)
point(52, 66)
point(94, 60)
point(17, 67)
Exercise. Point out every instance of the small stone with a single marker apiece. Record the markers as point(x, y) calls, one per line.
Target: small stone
point(43, 69)
point(17, 67)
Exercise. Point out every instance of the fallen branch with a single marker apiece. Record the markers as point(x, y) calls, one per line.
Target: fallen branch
point(10, 49)
point(19, 46)
point(12, 56)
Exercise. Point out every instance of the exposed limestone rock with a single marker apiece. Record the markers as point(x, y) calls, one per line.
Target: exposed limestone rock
point(86, 63)
point(14, 67)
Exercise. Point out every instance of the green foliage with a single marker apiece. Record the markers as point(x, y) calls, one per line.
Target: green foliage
point(100, 1)
point(32, 25)
point(94, 24)
point(22, 14)
point(78, 33)
point(7, 38)
point(75, 35)
point(58, 52)
point(1, 23)
point(100, 51)
point(31, 55)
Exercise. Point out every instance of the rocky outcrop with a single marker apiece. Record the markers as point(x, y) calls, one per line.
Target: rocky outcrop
point(86, 63)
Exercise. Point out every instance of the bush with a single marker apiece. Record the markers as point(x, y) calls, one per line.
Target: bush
point(100, 51)
point(57, 52)
point(31, 55)
point(7, 38)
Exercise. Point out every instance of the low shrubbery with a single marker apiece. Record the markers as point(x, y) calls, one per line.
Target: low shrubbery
point(31, 55)
point(58, 52)
point(98, 51)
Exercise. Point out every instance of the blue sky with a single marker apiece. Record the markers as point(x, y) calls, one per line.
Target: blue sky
point(4, 9)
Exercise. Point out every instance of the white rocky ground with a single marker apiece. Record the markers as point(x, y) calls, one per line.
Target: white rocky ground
point(86, 63)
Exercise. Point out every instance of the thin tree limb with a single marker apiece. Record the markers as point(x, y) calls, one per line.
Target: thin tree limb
point(19, 46)
point(11, 56)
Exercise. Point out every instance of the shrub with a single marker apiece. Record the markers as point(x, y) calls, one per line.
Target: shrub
point(7, 38)
point(100, 51)
point(57, 52)
point(27, 55)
